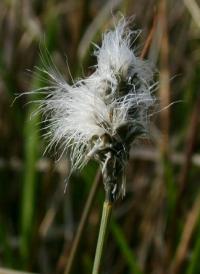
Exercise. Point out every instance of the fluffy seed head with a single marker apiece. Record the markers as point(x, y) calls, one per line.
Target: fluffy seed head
point(100, 116)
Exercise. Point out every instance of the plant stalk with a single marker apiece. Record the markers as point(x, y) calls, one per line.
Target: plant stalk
point(106, 214)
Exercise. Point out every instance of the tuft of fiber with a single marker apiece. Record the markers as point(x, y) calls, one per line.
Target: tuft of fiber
point(100, 116)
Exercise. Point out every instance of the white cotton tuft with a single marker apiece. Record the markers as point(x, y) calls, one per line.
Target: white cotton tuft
point(100, 116)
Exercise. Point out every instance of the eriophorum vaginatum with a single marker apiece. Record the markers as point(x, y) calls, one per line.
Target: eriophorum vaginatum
point(100, 116)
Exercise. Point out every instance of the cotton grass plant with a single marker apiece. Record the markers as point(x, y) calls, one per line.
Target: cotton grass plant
point(100, 117)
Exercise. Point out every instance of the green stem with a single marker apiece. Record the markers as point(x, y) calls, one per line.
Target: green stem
point(107, 209)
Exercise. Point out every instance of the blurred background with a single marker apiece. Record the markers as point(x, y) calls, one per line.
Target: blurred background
point(156, 227)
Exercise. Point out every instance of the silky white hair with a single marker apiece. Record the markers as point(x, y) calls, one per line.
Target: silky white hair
point(113, 101)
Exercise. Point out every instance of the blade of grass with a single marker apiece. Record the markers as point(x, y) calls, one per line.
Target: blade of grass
point(194, 10)
point(29, 186)
point(188, 231)
point(194, 266)
point(82, 223)
point(124, 248)
point(171, 188)
point(11, 271)
point(31, 137)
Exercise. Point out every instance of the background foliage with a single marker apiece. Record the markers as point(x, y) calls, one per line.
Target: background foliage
point(156, 228)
